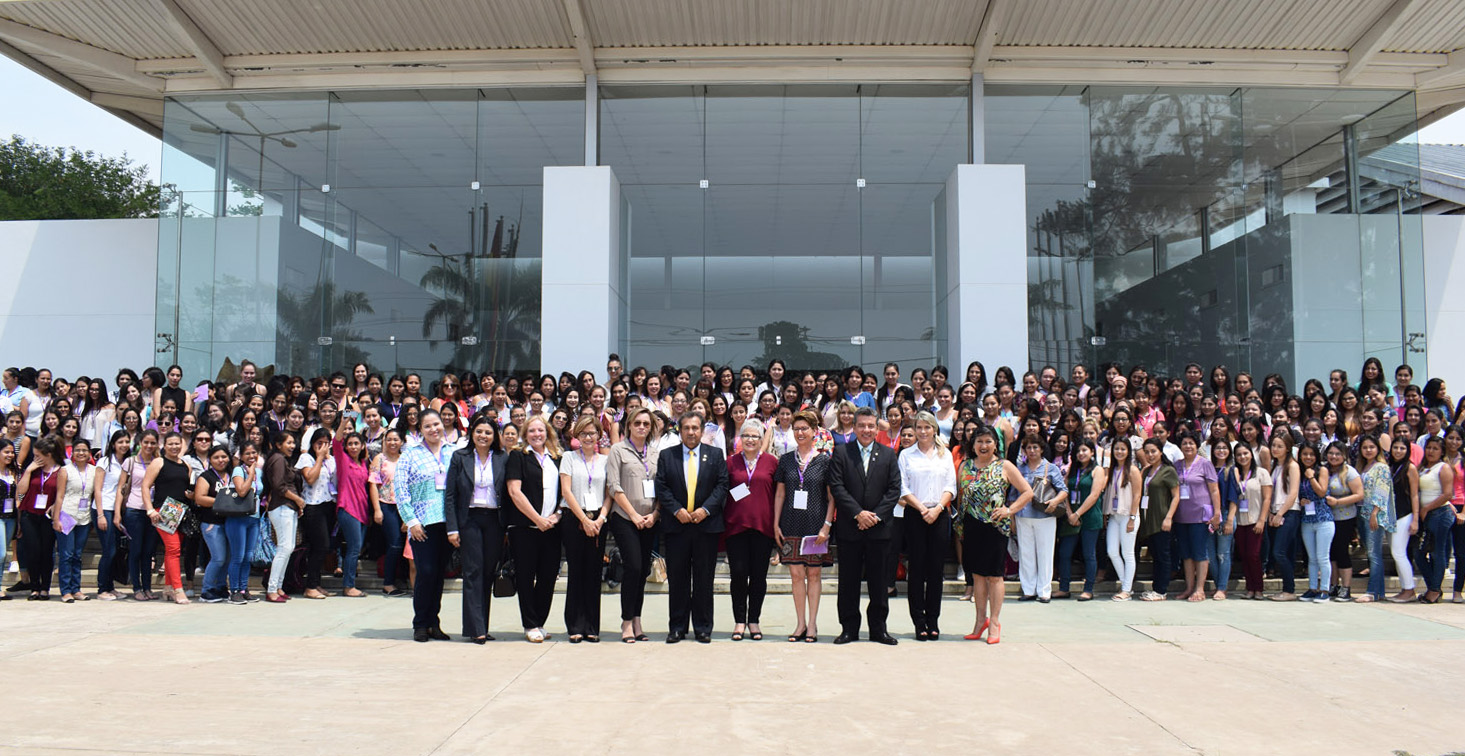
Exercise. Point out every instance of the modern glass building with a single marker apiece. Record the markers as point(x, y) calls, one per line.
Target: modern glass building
point(527, 185)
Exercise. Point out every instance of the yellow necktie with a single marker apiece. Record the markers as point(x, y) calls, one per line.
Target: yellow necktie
point(691, 482)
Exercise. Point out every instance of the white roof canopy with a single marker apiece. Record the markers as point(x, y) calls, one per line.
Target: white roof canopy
point(126, 55)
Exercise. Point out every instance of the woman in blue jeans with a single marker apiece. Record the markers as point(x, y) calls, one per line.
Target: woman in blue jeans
point(352, 500)
point(133, 514)
point(384, 508)
point(242, 532)
point(1081, 525)
point(211, 526)
point(76, 504)
point(1375, 512)
point(1224, 538)
point(104, 489)
point(1436, 486)
point(1317, 522)
point(1286, 514)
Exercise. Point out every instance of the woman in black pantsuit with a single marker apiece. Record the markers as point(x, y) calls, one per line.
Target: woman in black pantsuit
point(533, 479)
point(476, 490)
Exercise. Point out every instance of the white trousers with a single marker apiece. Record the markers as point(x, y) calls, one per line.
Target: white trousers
point(1121, 549)
point(1036, 537)
point(1399, 547)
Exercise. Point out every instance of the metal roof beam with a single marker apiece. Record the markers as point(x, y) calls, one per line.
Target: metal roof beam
point(1454, 66)
point(203, 47)
point(1361, 52)
point(986, 40)
point(581, 34)
point(104, 61)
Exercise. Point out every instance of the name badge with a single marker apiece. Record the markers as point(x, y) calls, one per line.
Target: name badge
point(740, 492)
point(42, 501)
point(801, 499)
point(1073, 497)
point(1185, 493)
point(1241, 505)
point(648, 489)
point(1309, 509)
point(9, 506)
point(1144, 502)
point(442, 480)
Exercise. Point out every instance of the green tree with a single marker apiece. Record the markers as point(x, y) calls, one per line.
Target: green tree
point(59, 183)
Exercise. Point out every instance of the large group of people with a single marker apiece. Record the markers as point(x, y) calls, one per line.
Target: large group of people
point(503, 478)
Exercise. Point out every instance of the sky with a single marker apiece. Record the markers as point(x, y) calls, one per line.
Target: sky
point(42, 112)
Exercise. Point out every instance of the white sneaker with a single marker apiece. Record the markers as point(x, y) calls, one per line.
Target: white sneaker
point(534, 635)
point(14, 567)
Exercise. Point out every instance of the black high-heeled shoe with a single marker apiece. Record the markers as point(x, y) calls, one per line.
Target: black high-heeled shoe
point(799, 637)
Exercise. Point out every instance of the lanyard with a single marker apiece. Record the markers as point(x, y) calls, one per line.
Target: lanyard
point(483, 470)
point(754, 466)
point(803, 463)
point(641, 455)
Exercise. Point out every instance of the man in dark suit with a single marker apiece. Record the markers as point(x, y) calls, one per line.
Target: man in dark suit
point(691, 488)
point(865, 481)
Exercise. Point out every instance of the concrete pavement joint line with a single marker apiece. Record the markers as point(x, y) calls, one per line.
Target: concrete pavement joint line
point(1120, 698)
point(545, 652)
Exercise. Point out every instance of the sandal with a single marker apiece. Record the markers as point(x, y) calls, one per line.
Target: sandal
point(755, 635)
point(1085, 596)
point(799, 636)
point(67, 599)
point(642, 637)
point(628, 639)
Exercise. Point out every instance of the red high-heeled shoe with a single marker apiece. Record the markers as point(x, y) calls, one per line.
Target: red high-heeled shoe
point(978, 634)
point(995, 636)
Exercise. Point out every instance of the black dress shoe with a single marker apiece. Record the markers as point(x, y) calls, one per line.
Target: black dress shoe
point(846, 638)
point(704, 637)
point(674, 637)
point(436, 633)
point(421, 635)
point(479, 641)
point(884, 638)
point(1028, 598)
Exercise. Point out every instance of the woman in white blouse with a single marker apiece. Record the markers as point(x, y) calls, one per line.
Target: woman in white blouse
point(927, 487)
point(586, 496)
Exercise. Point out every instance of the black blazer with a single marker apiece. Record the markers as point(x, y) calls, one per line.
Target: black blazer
point(458, 493)
point(671, 488)
point(524, 467)
point(856, 490)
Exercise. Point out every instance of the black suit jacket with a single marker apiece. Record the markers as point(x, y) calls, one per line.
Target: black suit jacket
point(671, 488)
point(524, 467)
point(458, 492)
point(856, 490)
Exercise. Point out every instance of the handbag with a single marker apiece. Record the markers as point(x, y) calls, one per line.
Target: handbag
point(1043, 492)
point(228, 503)
point(658, 570)
point(503, 582)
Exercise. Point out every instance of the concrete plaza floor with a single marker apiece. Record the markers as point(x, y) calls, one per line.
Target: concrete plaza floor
point(342, 676)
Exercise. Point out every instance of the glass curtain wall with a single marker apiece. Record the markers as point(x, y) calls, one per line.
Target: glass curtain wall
point(397, 228)
point(793, 222)
point(1269, 230)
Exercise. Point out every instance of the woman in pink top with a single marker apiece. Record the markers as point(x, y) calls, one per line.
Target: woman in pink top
point(349, 449)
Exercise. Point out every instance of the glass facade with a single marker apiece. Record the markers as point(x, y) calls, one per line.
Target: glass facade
point(1256, 228)
point(398, 228)
point(1251, 228)
point(812, 239)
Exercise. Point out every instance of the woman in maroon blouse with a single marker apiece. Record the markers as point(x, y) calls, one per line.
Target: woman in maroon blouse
point(37, 488)
point(749, 518)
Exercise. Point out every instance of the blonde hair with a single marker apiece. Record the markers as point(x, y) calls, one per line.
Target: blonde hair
point(586, 421)
point(551, 439)
point(930, 419)
point(844, 404)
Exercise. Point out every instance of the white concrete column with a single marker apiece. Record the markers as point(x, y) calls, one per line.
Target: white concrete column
point(582, 305)
point(986, 274)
